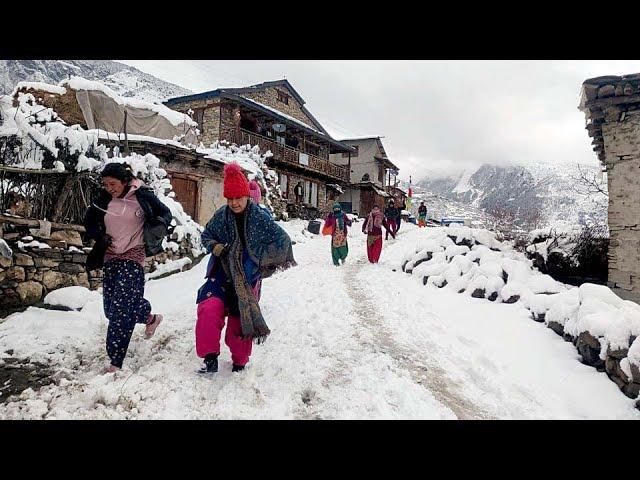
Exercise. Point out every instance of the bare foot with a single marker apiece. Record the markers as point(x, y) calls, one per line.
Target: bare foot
point(150, 329)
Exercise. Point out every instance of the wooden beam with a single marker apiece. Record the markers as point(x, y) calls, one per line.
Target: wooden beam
point(4, 168)
point(29, 222)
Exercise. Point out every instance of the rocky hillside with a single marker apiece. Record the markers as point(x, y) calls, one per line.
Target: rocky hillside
point(123, 79)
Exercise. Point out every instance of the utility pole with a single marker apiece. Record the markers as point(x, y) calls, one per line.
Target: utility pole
point(126, 139)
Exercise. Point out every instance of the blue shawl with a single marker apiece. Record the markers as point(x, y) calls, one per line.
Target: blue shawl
point(267, 245)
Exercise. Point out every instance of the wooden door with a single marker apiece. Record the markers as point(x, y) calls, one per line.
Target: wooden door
point(186, 193)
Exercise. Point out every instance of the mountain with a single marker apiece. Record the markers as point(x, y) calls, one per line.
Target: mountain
point(531, 195)
point(125, 80)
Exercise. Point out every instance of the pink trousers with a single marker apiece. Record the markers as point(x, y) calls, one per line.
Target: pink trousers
point(374, 251)
point(209, 325)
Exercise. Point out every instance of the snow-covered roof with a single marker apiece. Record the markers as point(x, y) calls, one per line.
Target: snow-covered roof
point(288, 117)
point(46, 87)
point(364, 137)
point(174, 117)
point(103, 134)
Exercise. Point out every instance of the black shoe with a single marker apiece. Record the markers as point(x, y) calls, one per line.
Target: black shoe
point(210, 364)
point(237, 368)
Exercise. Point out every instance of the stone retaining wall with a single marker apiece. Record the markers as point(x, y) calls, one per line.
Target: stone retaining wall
point(32, 272)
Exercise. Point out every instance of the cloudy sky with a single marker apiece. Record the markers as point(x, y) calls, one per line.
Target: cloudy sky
point(433, 115)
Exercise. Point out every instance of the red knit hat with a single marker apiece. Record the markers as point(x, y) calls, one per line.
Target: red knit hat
point(235, 183)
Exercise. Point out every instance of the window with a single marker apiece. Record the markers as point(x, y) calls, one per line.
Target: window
point(311, 193)
point(354, 154)
point(198, 117)
point(284, 184)
point(283, 97)
point(280, 140)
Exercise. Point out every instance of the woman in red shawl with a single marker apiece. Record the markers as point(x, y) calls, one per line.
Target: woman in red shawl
point(373, 228)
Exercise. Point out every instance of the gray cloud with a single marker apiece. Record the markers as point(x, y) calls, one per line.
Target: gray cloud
point(434, 115)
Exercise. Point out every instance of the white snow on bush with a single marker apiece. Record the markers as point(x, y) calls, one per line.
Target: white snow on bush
point(71, 297)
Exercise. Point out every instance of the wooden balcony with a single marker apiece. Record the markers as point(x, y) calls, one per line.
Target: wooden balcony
point(291, 156)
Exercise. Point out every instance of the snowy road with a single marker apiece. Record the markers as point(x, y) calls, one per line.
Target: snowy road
point(360, 341)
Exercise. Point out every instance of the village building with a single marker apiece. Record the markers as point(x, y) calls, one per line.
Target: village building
point(611, 105)
point(272, 116)
point(372, 175)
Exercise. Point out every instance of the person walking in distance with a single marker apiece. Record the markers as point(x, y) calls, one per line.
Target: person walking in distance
point(373, 228)
point(336, 225)
point(422, 215)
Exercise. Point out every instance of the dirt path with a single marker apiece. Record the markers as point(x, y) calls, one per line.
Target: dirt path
point(422, 369)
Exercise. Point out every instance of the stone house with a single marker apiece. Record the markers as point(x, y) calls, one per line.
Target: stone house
point(371, 174)
point(196, 179)
point(272, 115)
point(611, 105)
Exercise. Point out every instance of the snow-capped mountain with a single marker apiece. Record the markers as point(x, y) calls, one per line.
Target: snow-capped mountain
point(125, 80)
point(524, 190)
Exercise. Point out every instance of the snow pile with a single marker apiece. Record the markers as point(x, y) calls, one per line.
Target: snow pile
point(599, 311)
point(473, 262)
point(74, 298)
point(602, 326)
point(297, 230)
point(559, 238)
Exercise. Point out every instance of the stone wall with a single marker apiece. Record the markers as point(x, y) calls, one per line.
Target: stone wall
point(211, 118)
point(622, 147)
point(32, 272)
point(269, 97)
point(229, 120)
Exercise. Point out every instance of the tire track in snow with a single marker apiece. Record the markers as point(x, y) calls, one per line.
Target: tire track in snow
point(426, 373)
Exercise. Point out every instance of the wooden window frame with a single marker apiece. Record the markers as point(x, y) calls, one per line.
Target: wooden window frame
point(283, 97)
point(199, 110)
point(285, 193)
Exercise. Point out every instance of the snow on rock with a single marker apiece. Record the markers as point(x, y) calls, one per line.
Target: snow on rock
point(33, 244)
point(169, 266)
point(5, 249)
point(74, 298)
point(565, 306)
point(454, 250)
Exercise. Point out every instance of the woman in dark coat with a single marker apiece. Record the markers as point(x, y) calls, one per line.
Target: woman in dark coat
point(127, 222)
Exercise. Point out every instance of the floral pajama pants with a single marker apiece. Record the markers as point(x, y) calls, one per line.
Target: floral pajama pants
point(124, 305)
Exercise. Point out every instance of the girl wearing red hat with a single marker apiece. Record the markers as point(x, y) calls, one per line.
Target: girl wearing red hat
point(246, 245)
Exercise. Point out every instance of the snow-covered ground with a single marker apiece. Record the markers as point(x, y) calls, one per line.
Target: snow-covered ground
point(360, 341)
